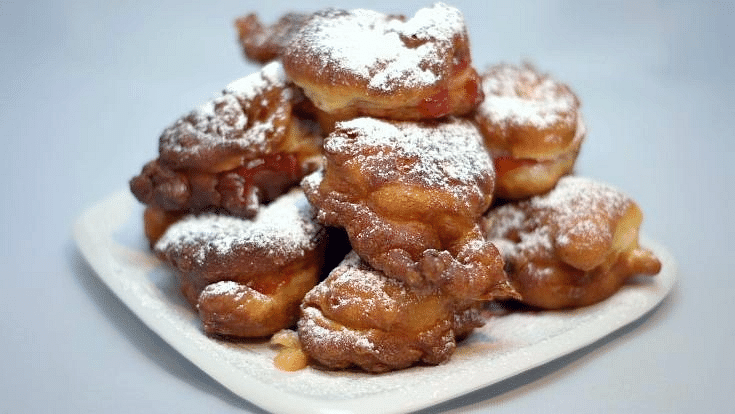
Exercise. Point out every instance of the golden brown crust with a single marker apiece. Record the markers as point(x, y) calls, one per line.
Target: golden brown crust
point(261, 43)
point(156, 222)
point(247, 277)
point(235, 152)
point(358, 317)
point(257, 309)
point(522, 178)
point(527, 114)
point(408, 193)
point(363, 63)
point(532, 127)
point(574, 246)
point(410, 196)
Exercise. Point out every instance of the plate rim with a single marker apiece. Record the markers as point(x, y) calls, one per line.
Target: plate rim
point(264, 395)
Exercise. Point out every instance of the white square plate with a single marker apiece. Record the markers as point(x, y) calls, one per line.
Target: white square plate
point(110, 236)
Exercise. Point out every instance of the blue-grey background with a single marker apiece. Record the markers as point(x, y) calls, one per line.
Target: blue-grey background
point(87, 86)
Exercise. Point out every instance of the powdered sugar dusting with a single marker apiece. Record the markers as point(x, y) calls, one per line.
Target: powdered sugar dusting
point(284, 227)
point(234, 290)
point(577, 201)
point(373, 47)
point(577, 208)
point(367, 295)
point(508, 345)
point(521, 96)
point(223, 122)
point(449, 156)
point(344, 338)
point(440, 22)
point(224, 287)
point(249, 87)
point(311, 182)
point(355, 276)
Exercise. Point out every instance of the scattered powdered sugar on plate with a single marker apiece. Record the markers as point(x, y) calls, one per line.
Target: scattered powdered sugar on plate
point(109, 236)
point(373, 46)
point(448, 156)
point(285, 227)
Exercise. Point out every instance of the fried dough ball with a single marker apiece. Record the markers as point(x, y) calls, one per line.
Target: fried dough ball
point(241, 149)
point(532, 127)
point(574, 246)
point(358, 317)
point(263, 44)
point(246, 277)
point(410, 196)
point(361, 62)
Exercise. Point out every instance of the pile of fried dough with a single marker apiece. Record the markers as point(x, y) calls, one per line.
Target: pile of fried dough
point(367, 193)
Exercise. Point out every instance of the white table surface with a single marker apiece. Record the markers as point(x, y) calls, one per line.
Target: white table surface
point(87, 87)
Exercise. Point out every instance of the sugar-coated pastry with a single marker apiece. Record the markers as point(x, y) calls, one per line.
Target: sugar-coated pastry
point(361, 62)
point(532, 127)
point(246, 277)
point(261, 43)
point(365, 195)
point(410, 196)
point(358, 317)
point(574, 246)
point(241, 149)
